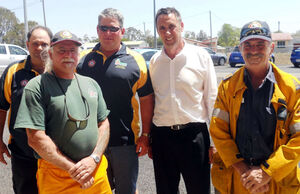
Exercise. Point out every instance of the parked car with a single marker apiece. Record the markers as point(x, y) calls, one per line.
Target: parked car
point(237, 58)
point(217, 58)
point(147, 53)
point(295, 57)
point(10, 53)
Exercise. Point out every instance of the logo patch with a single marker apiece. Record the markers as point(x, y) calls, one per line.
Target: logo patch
point(92, 93)
point(92, 63)
point(255, 25)
point(24, 82)
point(65, 34)
point(120, 65)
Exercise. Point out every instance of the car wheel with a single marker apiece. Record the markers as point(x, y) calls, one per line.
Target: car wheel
point(296, 64)
point(232, 64)
point(221, 61)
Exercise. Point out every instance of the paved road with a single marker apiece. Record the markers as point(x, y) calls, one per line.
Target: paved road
point(146, 184)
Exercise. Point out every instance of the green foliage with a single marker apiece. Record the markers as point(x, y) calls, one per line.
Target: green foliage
point(133, 34)
point(228, 36)
point(202, 36)
point(17, 34)
point(8, 21)
point(11, 31)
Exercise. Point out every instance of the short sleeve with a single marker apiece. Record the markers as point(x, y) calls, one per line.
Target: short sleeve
point(31, 112)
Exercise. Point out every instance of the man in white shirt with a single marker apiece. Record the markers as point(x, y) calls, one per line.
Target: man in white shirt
point(185, 87)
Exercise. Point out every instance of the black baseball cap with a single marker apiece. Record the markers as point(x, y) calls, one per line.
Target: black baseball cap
point(255, 29)
point(64, 35)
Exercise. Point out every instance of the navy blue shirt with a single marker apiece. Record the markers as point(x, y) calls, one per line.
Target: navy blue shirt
point(120, 77)
point(257, 120)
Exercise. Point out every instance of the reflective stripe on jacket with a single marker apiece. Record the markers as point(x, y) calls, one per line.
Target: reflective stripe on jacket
point(282, 165)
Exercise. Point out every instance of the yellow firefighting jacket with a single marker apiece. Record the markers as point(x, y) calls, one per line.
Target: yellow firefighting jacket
point(282, 165)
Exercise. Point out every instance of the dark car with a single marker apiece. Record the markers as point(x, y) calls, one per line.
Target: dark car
point(147, 54)
point(295, 57)
point(217, 58)
point(236, 57)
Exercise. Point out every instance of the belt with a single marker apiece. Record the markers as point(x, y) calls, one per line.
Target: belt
point(182, 126)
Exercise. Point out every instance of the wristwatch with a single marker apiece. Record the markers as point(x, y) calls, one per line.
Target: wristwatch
point(96, 158)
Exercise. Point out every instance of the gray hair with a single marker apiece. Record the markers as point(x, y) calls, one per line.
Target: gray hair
point(111, 13)
point(167, 11)
point(46, 59)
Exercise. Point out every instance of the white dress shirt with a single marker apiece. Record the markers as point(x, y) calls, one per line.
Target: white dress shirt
point(185, 87)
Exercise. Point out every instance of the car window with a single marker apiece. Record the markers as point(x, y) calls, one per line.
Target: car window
point(16, 51)
point(2, 50)
point(209, 51)
point(236, 49)
point(147, 55)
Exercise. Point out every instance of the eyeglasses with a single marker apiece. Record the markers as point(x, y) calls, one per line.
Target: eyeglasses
point(110, 28)
point(82, 122)
point(255, 31)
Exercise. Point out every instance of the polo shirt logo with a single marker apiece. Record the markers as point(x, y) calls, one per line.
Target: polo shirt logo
point(120, 65)
point(24, 82)
point(91, 63)
point(92, 93)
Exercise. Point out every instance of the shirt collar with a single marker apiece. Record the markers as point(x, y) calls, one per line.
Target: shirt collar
point(270, 76)
point(122, 50)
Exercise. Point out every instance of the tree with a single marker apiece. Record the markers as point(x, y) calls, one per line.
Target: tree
point(8, 21)
point(202, 36)
point(132, 33)
point(228, 36)
point(16, 34)
point(190, 35)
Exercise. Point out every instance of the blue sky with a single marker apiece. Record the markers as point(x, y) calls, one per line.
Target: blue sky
point(80, 16)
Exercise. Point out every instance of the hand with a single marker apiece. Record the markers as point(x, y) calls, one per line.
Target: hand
point(241, 167)
point(82, 171)
point(3, 150)
point(255, 179)
point(211, 151)
point(142, 145)
point(88, 183)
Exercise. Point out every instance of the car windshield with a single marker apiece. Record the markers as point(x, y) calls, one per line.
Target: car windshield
point(236, 49)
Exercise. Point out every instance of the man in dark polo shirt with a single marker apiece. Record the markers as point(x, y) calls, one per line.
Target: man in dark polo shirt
point(121, 73)
point(12, 83)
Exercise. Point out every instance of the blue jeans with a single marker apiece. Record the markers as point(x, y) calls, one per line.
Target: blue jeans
point(123, 167)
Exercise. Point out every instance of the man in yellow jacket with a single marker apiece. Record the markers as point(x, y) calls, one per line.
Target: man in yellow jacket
point(256, 122)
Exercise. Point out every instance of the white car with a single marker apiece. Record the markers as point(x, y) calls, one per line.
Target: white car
point(10, 53)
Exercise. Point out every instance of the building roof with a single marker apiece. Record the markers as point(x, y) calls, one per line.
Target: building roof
point(281, 36)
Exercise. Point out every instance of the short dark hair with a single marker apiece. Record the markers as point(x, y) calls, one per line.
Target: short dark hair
point(167, 11)
point(39, 27)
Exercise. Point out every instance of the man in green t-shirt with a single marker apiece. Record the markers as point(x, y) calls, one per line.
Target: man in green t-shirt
point(65, 117)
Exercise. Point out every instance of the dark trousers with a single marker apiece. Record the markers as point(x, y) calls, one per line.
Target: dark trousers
point(24, 175)
point(184, 152)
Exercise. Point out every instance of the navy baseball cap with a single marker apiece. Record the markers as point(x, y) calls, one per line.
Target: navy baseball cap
point(64, 35)
point(255, 29)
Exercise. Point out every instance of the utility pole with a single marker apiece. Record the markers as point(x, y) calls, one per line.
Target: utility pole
point(210, 29)
point(155, 41)
point(144, 29)
point(278, 26)
point(25, 20)
point(44, 13)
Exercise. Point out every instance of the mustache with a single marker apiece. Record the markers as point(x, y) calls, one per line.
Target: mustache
point(68, 60)
point(255, 55)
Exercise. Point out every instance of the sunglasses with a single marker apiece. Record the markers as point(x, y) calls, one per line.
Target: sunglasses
point(82, 122)
point(255, 31)
point(110, 28)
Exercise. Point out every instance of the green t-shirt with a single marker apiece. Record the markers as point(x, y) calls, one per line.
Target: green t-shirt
point(43, 107)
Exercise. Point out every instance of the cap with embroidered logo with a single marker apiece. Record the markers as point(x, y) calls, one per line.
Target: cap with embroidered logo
point(65, 35)
point(255, 29)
